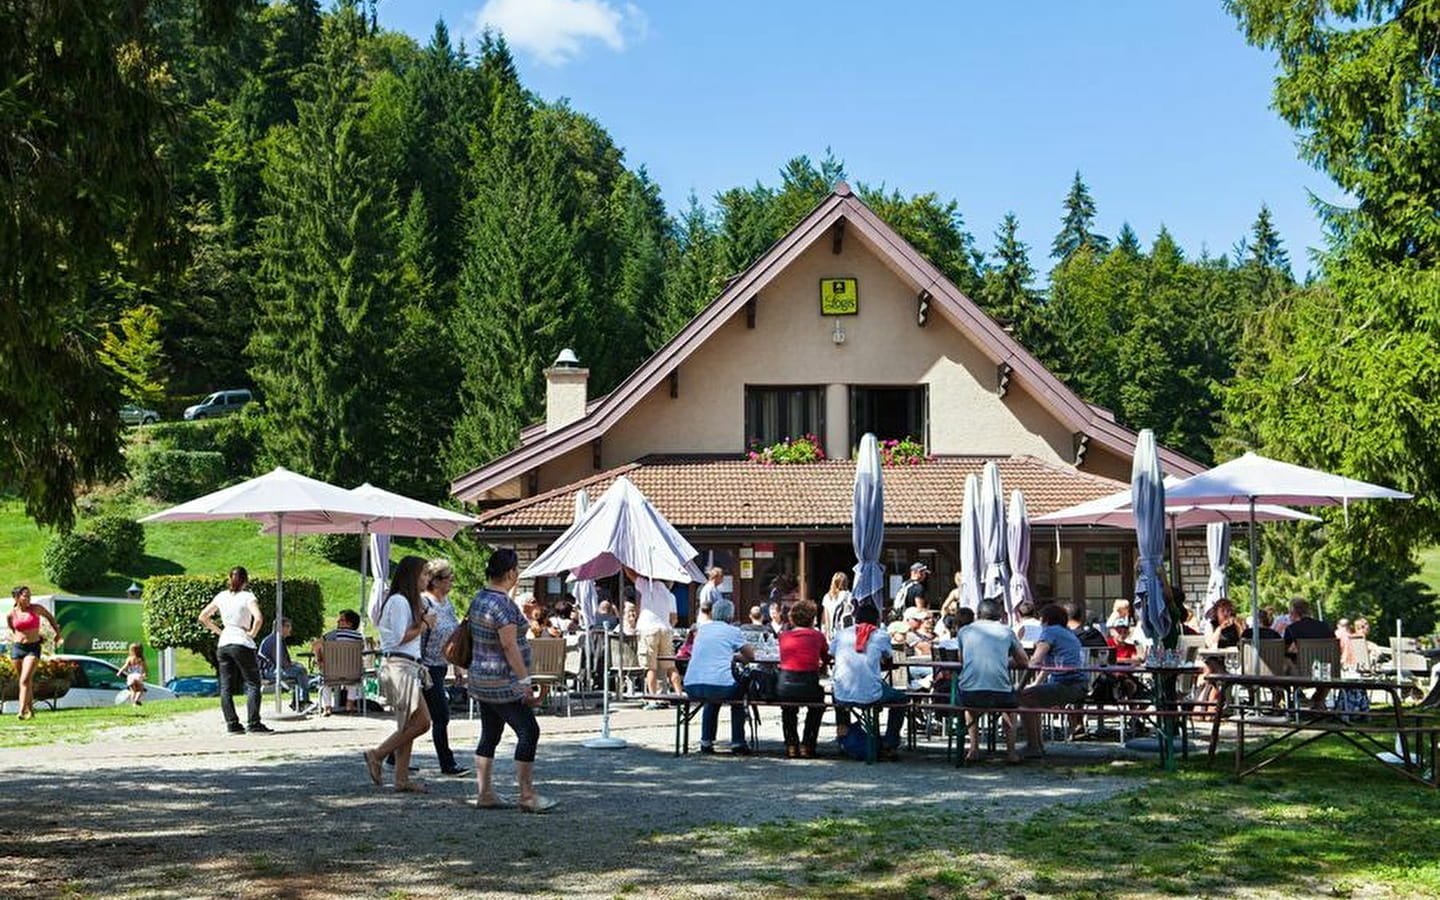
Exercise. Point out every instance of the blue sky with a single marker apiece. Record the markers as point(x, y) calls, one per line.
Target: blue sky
point(1161, 106)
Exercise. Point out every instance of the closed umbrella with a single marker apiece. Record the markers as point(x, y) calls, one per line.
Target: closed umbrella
point(867, 528)
point(1018, 525)
point(1148, 500)
point(1253, 479)
point(995, 580)
point(279, 499)
point(1217, 552)
point(972, 548)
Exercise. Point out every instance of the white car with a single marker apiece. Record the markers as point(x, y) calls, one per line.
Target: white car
point(98, 683)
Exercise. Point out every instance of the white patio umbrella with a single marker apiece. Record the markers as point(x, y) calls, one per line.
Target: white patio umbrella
point(867, 524)
point(1217, 553)
point(1018, 527)
point(621, 529)
point(1148, 492)
point(972, 548)
point(995, 580)
point(279, 499)
point(583, 588)
point(1253, 479)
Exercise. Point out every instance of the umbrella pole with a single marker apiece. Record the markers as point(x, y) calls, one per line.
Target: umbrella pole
point(605, 741)
point(279, 604)
point(1254, 589)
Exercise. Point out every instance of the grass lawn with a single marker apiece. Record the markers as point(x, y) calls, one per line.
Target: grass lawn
point(82, 725)
point(1324, 823)
point(1430, 569)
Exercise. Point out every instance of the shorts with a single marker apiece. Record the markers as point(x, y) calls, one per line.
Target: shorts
point(402, 684)
point(651, 645)
point(1055, 693)
point(20, 651)
point(135, 680)
point(988, 699)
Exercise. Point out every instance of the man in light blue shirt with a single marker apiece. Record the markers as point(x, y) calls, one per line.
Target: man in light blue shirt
point(858, 652)
point(988, 650)
point(709, 677)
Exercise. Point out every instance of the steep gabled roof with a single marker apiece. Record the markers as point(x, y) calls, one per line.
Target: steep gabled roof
point(902, 259)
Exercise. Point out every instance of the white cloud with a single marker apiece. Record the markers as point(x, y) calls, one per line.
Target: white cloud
point(556, 31)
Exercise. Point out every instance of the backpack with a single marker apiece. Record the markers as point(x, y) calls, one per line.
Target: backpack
point(854, 743)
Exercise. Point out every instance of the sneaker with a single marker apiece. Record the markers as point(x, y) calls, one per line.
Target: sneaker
point(654, 705)
point(455, 772)
point(741, 750)
point(235, 728)
point(261, 728)
point(707, 749)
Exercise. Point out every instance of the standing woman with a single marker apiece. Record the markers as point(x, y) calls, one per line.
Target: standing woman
point(23, 621)
point(500, 681)
point(835, 604)
point(401, 621)
point(240, 622)
point(440, 576)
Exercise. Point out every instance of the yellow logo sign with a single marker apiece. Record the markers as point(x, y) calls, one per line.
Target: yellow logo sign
point(839, 297)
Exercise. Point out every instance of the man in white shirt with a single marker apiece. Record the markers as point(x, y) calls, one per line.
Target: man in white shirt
point(655, 634)
point(710, 591)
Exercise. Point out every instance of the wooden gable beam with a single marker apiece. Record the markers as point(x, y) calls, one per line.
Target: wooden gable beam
point(837, 237)
point(750, 312)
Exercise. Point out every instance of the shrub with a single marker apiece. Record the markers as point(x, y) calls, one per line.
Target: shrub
point(800, 450)
point(176, 475)
point(183, 435)
point(239, 438)
point(904, 452)
point(173, 604)
point(123, 539)
point(74, 561)
point(340, 549)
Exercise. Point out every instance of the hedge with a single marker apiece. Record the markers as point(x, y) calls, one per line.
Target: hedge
point(177, 475)
point(123, 539)
point(173, 604)
point(74, 561)
point(340, 549)
point(183, 435)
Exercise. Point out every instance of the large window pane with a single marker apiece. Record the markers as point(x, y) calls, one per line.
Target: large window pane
point(773, 414)
point(888, 413)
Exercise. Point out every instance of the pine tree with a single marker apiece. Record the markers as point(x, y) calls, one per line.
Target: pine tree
point(519, 281)
point(326, 278)
point(1075, 230)
point(1009, 295)
point(136, 354)
point(1128, 242)
point(694, 274)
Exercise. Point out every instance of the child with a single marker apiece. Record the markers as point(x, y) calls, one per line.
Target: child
point(135, 673)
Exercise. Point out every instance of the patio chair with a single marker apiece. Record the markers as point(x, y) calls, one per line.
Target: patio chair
point(1309, 651)
point(1272, 657)
point(624, 662)
point(547, 665)
point(342, 664)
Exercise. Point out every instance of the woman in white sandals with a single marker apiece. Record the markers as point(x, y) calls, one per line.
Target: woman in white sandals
point(500, 681)
point(401, 621)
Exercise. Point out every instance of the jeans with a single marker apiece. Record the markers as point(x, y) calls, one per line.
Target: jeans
point(521, 719)
point(438, 702)
point(297, 676)
point(236, 661)
point(710, 716)
point(800, 686)
point(895, 718)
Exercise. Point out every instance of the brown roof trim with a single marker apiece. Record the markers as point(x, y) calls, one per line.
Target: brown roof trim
point(906, 261)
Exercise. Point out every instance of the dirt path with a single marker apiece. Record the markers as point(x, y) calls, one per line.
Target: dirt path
point(179, 809)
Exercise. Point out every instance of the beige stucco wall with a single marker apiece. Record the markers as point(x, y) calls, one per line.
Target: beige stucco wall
point(792, 345)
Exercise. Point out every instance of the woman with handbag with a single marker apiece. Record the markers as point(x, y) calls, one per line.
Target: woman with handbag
point(401, 622)
point(439, 577)
point(500, 681)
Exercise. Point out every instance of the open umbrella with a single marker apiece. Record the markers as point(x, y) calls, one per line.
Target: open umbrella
point(995, 579)
point(278, 499)
point(621, 529)
point(867, 528)
point(1148, 493)
point(972, 548)
point(583, 588)
point(1217, 553)
point(1018, 545)
point(1253, 479)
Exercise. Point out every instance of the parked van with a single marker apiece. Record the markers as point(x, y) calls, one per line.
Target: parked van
point(220, 403)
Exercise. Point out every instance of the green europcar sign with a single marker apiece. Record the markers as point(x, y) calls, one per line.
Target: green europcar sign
point(103, 627)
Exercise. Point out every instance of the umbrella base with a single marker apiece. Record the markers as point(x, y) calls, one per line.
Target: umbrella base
point(605, 743)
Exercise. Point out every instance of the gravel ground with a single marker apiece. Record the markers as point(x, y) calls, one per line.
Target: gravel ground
point(179, 809)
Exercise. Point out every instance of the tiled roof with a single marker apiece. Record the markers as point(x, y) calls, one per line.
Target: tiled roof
point(701, 493)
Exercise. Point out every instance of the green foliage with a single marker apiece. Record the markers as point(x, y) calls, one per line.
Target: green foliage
point(237, 438)
point(135, 354)
point(183, 435)
point(173, 604)
point(177, 475)
point(790, 451)
point(1075, 233)
point(1009, 293)
point(340, 549)
point(74, 561)
point(904, 451)
point(123, 539)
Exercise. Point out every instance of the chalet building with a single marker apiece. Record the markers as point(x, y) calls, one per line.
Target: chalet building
point(839, 329)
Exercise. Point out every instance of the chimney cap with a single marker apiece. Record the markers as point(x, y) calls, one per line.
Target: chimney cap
point(567, 360)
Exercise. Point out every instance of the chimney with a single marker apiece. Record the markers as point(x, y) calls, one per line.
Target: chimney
point(565, 391)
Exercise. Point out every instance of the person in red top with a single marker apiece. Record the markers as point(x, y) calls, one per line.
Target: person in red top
point(802, 654)
point(1125, 650)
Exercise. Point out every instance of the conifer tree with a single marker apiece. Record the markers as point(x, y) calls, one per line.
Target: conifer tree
point(1127, 241)
point(134, 352)
point(1009, 295)
point(326, 280)
point(694, 274)
point(1075, 230)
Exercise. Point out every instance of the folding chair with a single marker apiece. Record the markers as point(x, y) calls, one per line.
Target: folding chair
point(342, 664)
point(547, 664)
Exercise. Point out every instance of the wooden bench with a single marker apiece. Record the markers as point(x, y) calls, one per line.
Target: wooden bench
point(957, 736)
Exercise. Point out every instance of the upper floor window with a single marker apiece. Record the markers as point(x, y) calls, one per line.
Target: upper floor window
point(773, 414)
point(889, 413)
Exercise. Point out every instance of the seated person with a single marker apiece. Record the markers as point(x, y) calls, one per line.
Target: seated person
point(858, 652)
point(1267, 631)
point(1028, 626)
point(347, 628)
point(1057, 649)
point(757, 623)
point(1223, 635)
point(289, 671)
point(802, 655)
point(709, 676)
point(988, 650)
point(1123, 686)
point(1301, 628)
